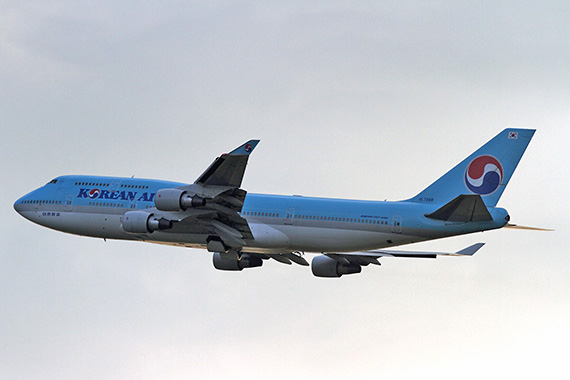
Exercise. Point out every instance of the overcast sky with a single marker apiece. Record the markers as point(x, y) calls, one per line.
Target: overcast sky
point(349, 100)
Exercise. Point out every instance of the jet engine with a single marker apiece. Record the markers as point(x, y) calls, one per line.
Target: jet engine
point(140, 222)
point(176, 199)
point(236, 263)
point(324, 266)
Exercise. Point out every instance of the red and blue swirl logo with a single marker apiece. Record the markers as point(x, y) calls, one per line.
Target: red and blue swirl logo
point(484, 175)
point(94, 193)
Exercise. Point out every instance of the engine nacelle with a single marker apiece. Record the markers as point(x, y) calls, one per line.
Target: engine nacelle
point(244, 261)
point(176, 199)
point(324, 266)
point(141, 222)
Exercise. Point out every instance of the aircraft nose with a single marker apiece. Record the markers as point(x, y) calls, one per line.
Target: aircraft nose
point(18, 205)
point(27, 205)
point(23, 206)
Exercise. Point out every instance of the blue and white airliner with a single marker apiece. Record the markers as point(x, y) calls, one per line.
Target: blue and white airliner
point(243, 229)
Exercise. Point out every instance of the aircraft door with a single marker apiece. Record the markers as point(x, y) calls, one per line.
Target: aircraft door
point(397, 224)
point(115, 185)
point(290, 216)
point(68, 202)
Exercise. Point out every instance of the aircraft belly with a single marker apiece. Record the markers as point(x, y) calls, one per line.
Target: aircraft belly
point(273, 238)
point(109, 226)
point(86, 224)
point(94, 225)
point(267, 236)
point(319, 239)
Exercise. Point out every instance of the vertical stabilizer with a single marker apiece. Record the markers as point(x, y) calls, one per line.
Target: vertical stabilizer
point(485, 172)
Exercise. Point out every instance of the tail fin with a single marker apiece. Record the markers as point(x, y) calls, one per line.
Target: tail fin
point(486, 172)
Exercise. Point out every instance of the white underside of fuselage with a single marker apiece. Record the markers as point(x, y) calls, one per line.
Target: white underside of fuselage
point(268, 238)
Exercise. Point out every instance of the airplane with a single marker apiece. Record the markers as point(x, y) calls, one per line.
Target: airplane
point(242, 229)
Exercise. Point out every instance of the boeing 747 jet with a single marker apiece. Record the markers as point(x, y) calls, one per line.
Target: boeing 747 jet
point(242, 229)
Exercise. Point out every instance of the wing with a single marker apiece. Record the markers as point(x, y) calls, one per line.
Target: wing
point(371, 257)
point(212, 204)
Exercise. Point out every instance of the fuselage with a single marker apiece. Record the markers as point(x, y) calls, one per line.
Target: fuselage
point(94, 206)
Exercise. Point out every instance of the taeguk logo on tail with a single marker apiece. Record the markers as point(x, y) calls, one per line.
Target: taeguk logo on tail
point(484, 175)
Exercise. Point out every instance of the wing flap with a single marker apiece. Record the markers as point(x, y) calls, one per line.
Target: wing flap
point(296, 258)
point(360, 258)
point(284, 258)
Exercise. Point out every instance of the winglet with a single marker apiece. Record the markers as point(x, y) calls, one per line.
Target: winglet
point(245, 149)
point(228, 169)
point(469, 251)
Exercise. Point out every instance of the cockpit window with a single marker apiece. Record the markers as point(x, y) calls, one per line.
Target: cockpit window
point(53, 181)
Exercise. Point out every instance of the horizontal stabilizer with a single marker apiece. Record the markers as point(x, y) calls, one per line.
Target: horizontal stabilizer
point(465, 208)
